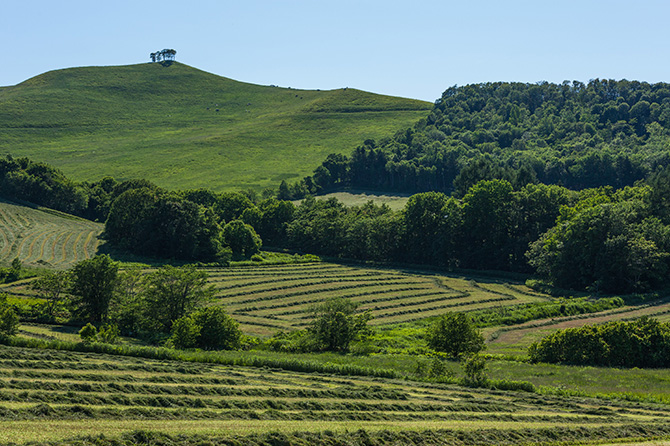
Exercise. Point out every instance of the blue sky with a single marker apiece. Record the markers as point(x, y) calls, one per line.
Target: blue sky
point(402, 48)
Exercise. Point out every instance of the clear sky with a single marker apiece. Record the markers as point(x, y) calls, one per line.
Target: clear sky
point(404, 48)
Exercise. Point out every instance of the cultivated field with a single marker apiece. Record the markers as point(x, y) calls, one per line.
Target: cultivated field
point(55, 395)
point(43, 237)
point(267, 299)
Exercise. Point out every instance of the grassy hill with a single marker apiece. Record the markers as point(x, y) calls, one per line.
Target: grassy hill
point(184, 128)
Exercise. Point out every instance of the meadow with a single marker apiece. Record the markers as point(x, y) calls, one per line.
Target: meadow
point(194, 129)
point(42, 237)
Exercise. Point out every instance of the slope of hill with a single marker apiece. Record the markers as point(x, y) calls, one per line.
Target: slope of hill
point(44, 237)
point(184, 128)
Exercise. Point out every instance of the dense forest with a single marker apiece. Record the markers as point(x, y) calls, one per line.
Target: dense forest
point(566, 181)
point(576, 135)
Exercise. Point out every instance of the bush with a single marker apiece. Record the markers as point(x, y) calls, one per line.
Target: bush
point(474, 367)
point(88, 333)
point(9, 321)
point(210, 329)
point(455, 334)
point(218, 331)
point(109, 334)
point(185, 333)
point(641, 343)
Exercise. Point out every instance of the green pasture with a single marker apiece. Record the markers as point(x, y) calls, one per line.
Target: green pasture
point(194, 129)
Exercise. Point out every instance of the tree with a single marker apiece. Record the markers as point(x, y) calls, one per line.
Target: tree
point(209, 328)
point(426, 226)
point(488, 211)
point(455, 334)
point(9, 321)
point(93, 284)
point(172, 293)
point(242, 239)
point(335, 325)
point(52, 287)
point(218, 331)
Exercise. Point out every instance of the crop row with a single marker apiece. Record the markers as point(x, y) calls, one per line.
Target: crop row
point(39, 237)
point(353, 296)
point(310, 291)
point(241, 282)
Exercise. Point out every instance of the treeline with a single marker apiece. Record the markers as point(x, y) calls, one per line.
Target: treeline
point(192, 225)
point(641, 343)
point(576, 135)
point(599, 239)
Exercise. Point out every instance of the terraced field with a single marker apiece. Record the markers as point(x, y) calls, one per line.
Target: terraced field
point(41, 237)
point(48, 395)
point(266, 299)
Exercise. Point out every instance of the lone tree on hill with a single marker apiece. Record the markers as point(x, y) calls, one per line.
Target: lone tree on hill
point(163, 55)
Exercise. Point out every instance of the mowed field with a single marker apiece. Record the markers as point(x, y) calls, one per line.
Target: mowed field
point(46, 238)
point(267, 299)
point(54, 395)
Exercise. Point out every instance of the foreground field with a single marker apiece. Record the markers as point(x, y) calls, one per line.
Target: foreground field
point(54, 395)
point(267, 299)
point(194, 129)
point(43, 237)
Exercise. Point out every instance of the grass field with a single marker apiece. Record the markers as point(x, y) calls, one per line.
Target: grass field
point(55, 395)
point(193, 128)
point(358, 198)
point(267, 299)
point(45, 238)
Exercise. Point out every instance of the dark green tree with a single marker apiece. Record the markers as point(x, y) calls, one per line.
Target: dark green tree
point(52, 287)
point(335, 324)
point(93, 285)
point(171, 293)
point(241, 238)
point(455, 334)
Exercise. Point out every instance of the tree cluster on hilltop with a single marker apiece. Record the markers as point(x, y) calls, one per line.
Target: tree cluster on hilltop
point(572, 134)
point(163, 55)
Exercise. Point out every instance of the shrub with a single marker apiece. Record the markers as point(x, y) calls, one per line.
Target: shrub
point(185, 333)
point(88, 333)
point(474, 367)
point(210, 328)
point(641, 343)
point(455, 334)
point(9, 321)
point(218, 331)
point(109, 334)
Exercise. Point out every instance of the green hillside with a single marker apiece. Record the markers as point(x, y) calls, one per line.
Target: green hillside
point(184, 128)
